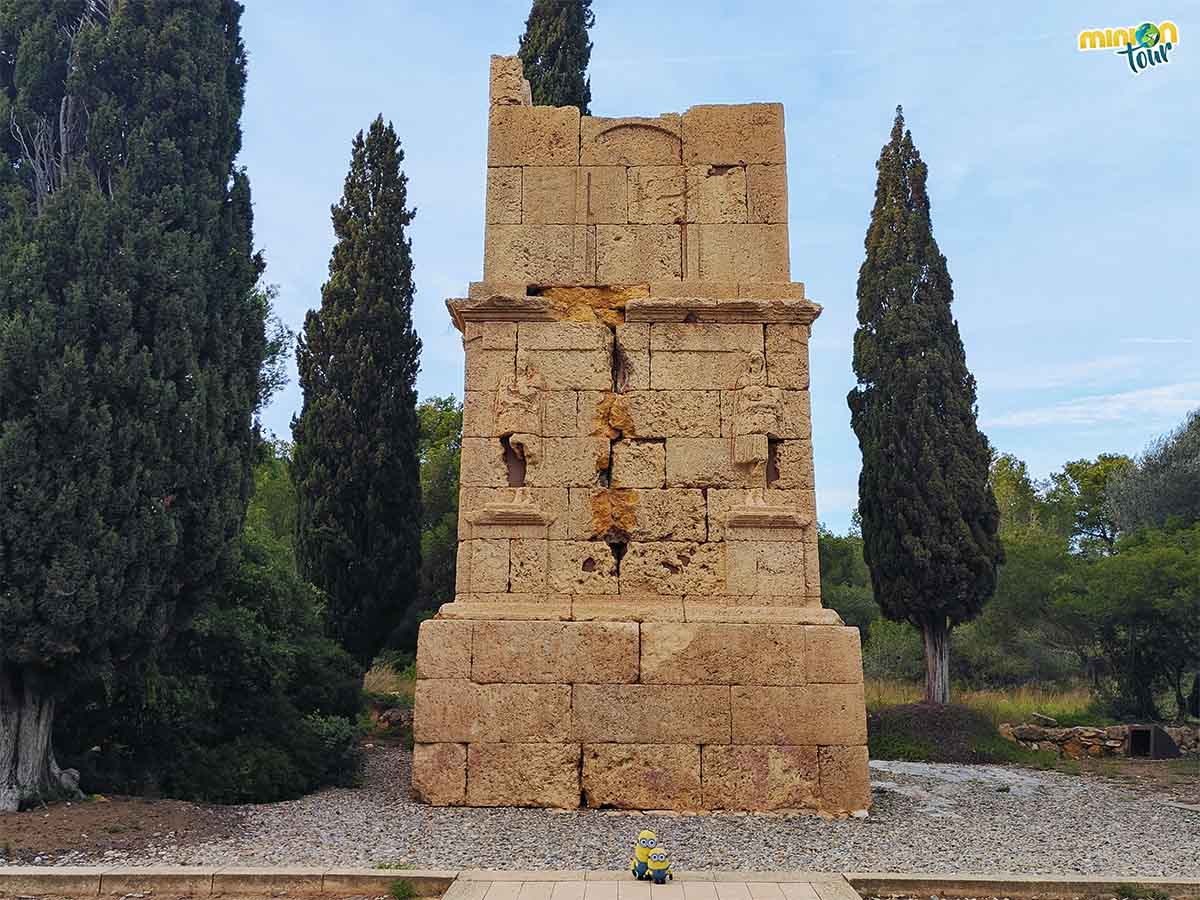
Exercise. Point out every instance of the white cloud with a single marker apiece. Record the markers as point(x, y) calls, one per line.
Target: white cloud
point(1168, 401)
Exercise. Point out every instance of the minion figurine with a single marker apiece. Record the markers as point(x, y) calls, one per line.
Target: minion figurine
point(640, 863)
point(659, 864)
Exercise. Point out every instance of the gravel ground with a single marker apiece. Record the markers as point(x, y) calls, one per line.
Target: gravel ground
point(924, 818)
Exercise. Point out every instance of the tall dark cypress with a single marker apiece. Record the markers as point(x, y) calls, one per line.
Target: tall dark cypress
point(929, 521)
point(356, 459)
point(555, 51)
point(131, 340)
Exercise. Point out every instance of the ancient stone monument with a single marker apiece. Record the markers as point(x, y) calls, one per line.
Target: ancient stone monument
point(638, 618)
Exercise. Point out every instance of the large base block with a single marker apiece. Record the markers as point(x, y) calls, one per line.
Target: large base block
point(640, 715)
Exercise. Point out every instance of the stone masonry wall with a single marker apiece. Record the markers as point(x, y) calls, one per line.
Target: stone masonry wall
point(637, 621)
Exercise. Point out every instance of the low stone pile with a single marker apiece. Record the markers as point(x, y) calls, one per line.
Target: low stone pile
point(1085, 741)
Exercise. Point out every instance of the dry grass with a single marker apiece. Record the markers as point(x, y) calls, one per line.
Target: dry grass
point(1017, 705)
point(383, 679)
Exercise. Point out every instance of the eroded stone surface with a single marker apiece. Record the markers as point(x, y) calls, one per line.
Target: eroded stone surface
point(756, 778)
point(439, 773)
point(638, 615)
point(642, 776)
point(523, 775)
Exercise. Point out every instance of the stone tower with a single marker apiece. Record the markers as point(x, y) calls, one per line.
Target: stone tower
point(638, 617)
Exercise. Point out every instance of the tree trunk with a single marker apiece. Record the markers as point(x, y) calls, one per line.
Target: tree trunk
point(28, 770)
point(937, 661)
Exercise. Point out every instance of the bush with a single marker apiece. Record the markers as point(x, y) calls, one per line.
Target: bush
point(250, 702)
point(894, 651)
point(921, 732)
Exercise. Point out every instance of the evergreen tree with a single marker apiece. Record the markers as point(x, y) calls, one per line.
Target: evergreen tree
point(555, 51)
point(929, 520)
point(356, 438)
point(131, 341)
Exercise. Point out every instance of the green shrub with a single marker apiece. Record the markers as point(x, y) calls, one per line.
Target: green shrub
point(402, 890)
point(250, 702)
point(893, 651)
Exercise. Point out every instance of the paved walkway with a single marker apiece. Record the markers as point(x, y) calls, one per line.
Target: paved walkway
point(577, 885)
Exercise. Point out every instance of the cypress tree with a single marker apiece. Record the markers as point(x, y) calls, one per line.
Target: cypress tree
point(131, 340)
point(555, 51)
point(929, 520)
point(356, 438)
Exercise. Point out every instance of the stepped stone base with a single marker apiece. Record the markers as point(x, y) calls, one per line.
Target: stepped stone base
point(640, 715)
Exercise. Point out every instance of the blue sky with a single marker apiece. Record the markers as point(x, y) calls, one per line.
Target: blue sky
point(1065, 190)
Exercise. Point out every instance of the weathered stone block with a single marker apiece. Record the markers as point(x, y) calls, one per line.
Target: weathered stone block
point(444, 649)
point(482, 462)
point(523, 775)
point(660, 414)
point(626, 254)
point(793, 422)
point(812, 567)
point(548, 195)
point(787, 356)
point(439, 773)
point(582, 567)
point(702, 462)
point(673, 567)
point(556, 652)
point(507, 84)
point(712, 290)
point(766, 190)
point(560, 414)
point(845, 779)
point(602, 513)
point(764, 567)
point(795, 465)
point(527, 566)
point(627, 608)
point(450, 710)
point(719, 653)
point(722, 501)
point(656, 194)
point(490, 336)
point(734, 135)
point(633, 357)
point(835, 654)
point(698, 369)
point(742, 253)
point(503, 206)
point(711, 338)
point(533, 136)
point(479, 414)
point(573, 461)
point(602, 195)
point(641, 776)
point(576, 370)
point(489, 565)
point(639, 464)
point(631, 141)
point(809, 714)
point(716, 194)
point(563, 336)
point(538, 254)
point(488, 369)
point(650, 714)
point(549, 504)
point(761, 290)
point(760, 778)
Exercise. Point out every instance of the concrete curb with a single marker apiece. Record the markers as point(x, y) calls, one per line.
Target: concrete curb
point(200, 881)
point(1015, 886)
